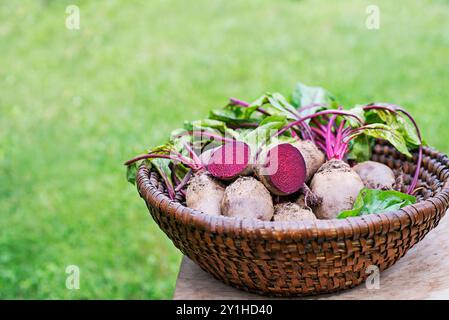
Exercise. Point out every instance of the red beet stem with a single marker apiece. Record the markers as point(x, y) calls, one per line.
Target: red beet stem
point(184, 181)
point(315, 115)
point(192, 154)
point(395, 109)
point(245, 104)
point(205, 134)
point(239, 102)
point(183, 160)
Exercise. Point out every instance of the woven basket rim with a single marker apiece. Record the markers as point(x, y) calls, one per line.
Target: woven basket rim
point(354, 227)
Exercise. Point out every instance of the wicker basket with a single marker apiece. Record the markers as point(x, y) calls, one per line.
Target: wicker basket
point(303, 258)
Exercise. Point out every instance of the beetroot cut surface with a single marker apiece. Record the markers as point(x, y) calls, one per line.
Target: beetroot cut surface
point(229, 161)
point(285, 169)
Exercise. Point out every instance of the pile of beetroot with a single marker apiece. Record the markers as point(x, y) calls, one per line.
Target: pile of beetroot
point(285, 160)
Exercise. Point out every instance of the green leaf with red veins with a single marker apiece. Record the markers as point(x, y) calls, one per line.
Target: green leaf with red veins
point(359, 112)
point(409, 133)
point(181, 136)
point(205, 124)
point(162, 149)
point(275, 104)
point(396, 122)
point(231, 117)
point(179, 144)
point(360, 148)
point(371, 201)
point(385, 132)
point(262, 134)
point(278, 102)
point(304, 95)
point(274, 118)
point(251, 109)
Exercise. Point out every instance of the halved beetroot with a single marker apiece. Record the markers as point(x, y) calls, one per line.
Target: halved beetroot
point(230, 161)
point(283, 170)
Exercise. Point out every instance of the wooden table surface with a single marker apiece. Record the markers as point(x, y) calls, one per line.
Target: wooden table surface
point(423, 273)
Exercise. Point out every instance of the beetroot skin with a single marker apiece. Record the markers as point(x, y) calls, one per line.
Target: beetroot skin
point(338, 186)
point(205, 194)
point(247, 198)
point(229, 161)
point(375, 175)
point(284, 170)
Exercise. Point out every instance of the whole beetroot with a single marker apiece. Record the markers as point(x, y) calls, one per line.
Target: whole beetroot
point(375, 175)
point(247, 198)
point(338, 186)
point(289, 211)
point(205, 194)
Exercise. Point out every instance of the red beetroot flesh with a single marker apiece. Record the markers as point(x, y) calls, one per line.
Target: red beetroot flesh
point(229, 161)
point(285, 169)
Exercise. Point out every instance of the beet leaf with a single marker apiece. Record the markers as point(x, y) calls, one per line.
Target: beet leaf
point(371, 201)
point(131, 171)
point(361, 148)
point(397, 123)
point(385, 132)
point(309, 100)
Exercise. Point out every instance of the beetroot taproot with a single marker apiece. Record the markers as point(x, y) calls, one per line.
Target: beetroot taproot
point(282, 169)
point(289, 211)
point(247, 198)
point(338, 186)
point(375, 175)
point(204, 193)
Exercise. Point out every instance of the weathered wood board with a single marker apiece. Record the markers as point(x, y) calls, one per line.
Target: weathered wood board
point(423, 273)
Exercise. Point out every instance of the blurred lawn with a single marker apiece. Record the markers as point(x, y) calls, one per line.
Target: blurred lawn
point(75, 104)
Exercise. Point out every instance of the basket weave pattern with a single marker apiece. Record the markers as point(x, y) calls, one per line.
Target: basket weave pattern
point(303, 258)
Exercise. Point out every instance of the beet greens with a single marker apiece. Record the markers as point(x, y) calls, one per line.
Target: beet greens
point(236, 140)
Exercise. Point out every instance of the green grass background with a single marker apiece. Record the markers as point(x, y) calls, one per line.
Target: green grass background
point(75, 104)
